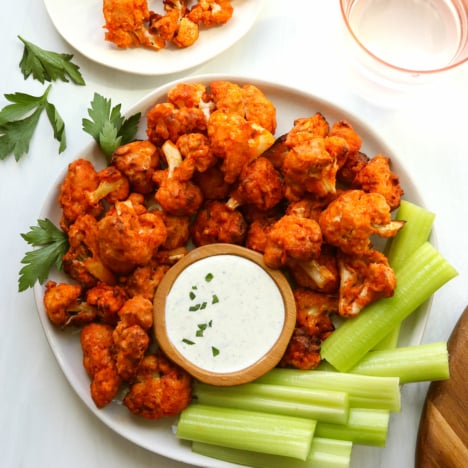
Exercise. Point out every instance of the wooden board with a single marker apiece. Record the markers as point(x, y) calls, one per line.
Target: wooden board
point(443, 429)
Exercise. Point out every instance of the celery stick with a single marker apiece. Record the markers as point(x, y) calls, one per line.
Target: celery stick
point(411, 363)
point(363, 391)
point(365, 427)
point(421, 275)
point(390, 340)
point(248, 430)
point(324, 453)
point(416, 232)
point(324, 405)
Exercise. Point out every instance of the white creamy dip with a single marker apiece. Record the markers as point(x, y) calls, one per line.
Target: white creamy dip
point(224, 313)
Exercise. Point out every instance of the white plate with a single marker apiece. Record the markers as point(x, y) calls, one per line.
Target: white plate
point(157, 436)
point(81, 22)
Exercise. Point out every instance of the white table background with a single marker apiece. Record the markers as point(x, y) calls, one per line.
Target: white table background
point(43, 423)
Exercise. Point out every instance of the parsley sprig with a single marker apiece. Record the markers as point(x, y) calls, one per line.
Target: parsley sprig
point(45, 65)
point(19, 120)
point(107, 125)
point(52, 243)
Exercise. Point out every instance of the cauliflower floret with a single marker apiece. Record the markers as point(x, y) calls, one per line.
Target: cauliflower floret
point(177, 194)
point(161, 388)
point(307, 128)
point(319, 274)
point(108, 300)
point(215, 222)
point(259, 184)
point(167, 122)
point(99, 362)
point(350, 220)
point(82, 261)
point(137, 160)
point(292, 237)
point(113, 186)
point(128, 238)
point(313, 326)
point(211, 12)
point(377, 177)
point(310, 168)
point(364, 279)
point(236, 141)
point(81, 178)
point(64, 304)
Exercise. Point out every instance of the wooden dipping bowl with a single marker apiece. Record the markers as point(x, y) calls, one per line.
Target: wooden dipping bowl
point(243, 375)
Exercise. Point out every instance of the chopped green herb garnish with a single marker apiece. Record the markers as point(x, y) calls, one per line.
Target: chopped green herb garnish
point(214, 299)
point(194, 308)
point(187, 341)
point(192, 295)
point(209, 277)
point(203, 305)
point(214, 351)
point(210, 323)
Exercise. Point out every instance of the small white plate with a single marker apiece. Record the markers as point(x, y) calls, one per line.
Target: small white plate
point(157, 436)
point(81, 23)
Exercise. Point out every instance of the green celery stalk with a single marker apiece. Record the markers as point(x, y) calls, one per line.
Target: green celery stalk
point(423, 273)
point(324, 453)
point(324, 405)
point(248, 430)
point(417, 229)
point(410, 364)
point(416, 232)
point(363, 391)
point(365, 427)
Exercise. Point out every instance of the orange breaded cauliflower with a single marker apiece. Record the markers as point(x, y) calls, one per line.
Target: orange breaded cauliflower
point(319, 274)
point(211, 12)
point(108, 300)
point(126, 23)
point(236, 141)
point(313, 326)
point(80, 179)
point(176, 194)
point(259, 184)
point(99, 362)
point(364, 278)
point(113, 186)
point(144, 280)
point(216, 222)
point(128, 238)
point(377, 177)
point(137, 160)
point(196, 153)
point(165, 121)
point(161, 388)
point(130, 336)
point(83, 261)
point(309, 168)
point(314, 311)
point(64, 305)
point(307, 128)
point(353, 217)
point(292, 237)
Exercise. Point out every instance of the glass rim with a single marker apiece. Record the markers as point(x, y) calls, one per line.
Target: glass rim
point(412, 71)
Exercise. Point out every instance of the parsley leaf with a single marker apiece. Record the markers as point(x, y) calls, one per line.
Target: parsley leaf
point(107, 125)
point(17, 127)
point(45, 65)
point(53, 245)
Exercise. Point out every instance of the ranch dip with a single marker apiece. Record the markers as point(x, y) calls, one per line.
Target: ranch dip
point(223, 313)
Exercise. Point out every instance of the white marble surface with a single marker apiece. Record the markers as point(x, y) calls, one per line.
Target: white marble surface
point(43, 422)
